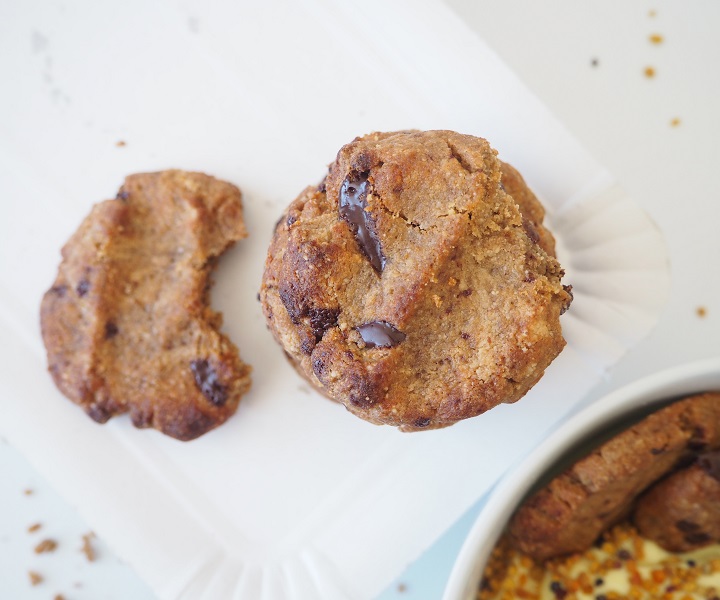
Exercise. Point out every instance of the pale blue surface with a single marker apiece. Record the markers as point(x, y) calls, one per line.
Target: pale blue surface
point(425, 579)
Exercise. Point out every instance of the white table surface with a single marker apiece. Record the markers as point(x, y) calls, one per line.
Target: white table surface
point(588, 66)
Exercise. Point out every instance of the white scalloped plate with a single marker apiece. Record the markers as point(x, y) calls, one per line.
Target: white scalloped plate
point(627, 403)
point(292, 497)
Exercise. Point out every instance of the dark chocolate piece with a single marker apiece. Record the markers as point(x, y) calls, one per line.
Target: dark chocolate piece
point(710, 463)
point(111, 330)
point(207, 381)
point(322, 319)
point(380, 334)
point(353, 202)
point(83, 287)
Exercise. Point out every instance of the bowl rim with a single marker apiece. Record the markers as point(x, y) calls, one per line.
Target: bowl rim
point(502, 500)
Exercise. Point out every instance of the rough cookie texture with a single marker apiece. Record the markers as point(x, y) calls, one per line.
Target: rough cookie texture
point(127, 323)
point(416, 284)
point(682, 512)
point(600, 489)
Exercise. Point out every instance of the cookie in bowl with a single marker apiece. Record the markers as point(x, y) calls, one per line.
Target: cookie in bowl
point(417, 284)
point(637, 517)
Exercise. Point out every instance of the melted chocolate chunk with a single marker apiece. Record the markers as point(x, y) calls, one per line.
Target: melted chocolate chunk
point(710, 463)
point(380, 334)
point(111, 330)
point(353, 202)
point(206, 379)
point(422, 422)
point(687, 526)
point(322, 319)
point(97, 413)
point(123, 195)
point(698, 538)
point(83, 287)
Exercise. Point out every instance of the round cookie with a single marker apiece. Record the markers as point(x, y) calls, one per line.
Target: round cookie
point(416, 284)
point(599, 490)
point(127, 325)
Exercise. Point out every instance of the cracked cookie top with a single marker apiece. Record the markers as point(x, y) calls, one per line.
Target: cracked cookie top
point(416, 284)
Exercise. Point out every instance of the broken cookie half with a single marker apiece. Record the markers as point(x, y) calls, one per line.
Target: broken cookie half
point(127, 324)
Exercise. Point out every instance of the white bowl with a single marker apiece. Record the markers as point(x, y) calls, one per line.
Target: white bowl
point(565, 442)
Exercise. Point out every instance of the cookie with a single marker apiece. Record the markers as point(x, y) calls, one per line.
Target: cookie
point(416, 284)
point(682, 512)
point(600, 489)
point(127, 324)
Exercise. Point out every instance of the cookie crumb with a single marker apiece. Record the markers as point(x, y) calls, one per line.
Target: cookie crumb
point(47, 545)
point(652, 13)
point(120, 143)
point(34, 527)
point(59, 597)
point(87, 548)
point(594, 62)
point(649, 72)
point(674, 122)
point(401, 588)
point(35, 578)
point(701, 312)
point(28, 492)
point(656, 38)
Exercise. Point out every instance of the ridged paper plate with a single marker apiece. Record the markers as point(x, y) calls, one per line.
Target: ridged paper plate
point(293, 497)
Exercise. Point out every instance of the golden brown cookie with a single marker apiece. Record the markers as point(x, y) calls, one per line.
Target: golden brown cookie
point(416, 284)
point(682, 512)
point(600, 489)
point(127, 323)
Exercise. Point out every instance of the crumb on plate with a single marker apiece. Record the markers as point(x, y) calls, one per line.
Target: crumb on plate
point(87, 548)
point(47, 545)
